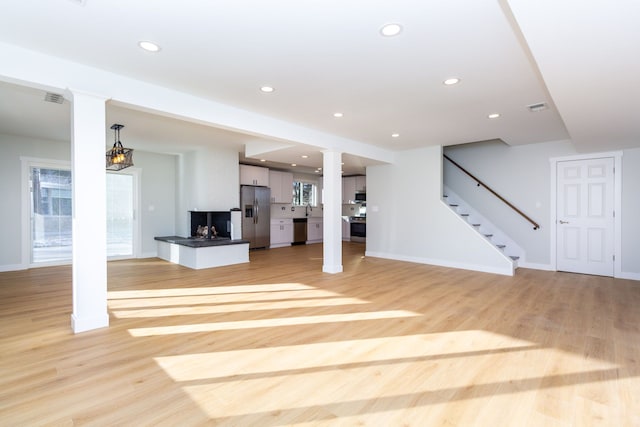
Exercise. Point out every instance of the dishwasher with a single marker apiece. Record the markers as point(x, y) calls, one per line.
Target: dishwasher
point(299, 231)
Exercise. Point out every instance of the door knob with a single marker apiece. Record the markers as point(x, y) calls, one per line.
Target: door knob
point(564, 222)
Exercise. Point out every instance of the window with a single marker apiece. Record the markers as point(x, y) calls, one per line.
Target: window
point(305, 193)
point(47, 231)
point(120, 215)
point(50, 214)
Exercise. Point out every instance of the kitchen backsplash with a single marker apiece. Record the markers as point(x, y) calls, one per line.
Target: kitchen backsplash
point(284, 211)
point(279, 210)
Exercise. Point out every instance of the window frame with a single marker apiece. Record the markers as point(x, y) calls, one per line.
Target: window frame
point(314, 194)
point(27, 163)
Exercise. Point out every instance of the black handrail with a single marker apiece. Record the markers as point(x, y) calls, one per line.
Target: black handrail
point(480, 183)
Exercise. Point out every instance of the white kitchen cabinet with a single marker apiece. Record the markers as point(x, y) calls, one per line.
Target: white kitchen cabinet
point(281, 184)
point(348, 189)
point(314, 230)
point(254, 175)
point(361, 184)
point(281, 232)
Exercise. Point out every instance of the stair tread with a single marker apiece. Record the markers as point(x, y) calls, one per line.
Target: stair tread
point(486, 235)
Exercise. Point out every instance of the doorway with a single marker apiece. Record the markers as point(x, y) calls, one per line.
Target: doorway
point(586, 194)
point(122, 223)
point(47, 198)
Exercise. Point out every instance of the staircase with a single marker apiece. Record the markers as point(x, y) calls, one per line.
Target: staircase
point(505, 245)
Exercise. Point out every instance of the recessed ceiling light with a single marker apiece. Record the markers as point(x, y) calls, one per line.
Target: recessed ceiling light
point(293, 164)
point(304, 156)
point(317, 170)
point(263, 160)
point(149, 46)
point(395, 135)
point(390, 30)
point(493, 115)
point(451, 81)
point(338, 115)
point(267, 89)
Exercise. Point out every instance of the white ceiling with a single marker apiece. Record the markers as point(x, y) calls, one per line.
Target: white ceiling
point(579, 57)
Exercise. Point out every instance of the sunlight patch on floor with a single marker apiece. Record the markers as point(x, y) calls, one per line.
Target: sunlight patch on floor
point(219, 299)
point(204, 290)
point(269, 323)
point(237, 307)
point(372, 378)
point(342, 355)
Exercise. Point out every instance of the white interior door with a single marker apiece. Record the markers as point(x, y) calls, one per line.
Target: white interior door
point(585, 216)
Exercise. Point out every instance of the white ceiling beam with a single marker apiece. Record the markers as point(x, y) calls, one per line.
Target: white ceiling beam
point(38, 70)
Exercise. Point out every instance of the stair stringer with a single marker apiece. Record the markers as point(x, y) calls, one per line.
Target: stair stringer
point(498, 238)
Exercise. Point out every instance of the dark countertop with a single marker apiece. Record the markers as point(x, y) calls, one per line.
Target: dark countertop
point(195, 242)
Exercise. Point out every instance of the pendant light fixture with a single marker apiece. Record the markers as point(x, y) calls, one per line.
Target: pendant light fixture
point(118, 157)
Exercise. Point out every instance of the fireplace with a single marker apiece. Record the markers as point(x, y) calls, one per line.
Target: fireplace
point(220, 221)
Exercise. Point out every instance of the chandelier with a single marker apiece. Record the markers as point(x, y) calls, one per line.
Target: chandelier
point(118, 157)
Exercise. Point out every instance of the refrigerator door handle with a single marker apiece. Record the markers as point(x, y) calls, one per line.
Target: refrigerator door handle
point(255, 217)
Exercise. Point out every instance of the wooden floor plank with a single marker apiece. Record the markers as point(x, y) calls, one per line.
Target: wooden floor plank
point(276, 342)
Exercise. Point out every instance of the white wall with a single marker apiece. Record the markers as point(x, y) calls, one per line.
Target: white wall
point(11, 215)
point(427, 232)
point(631, 213)
point(522, 174)
point(157, 192)
point(157, 198)
point(208, 180)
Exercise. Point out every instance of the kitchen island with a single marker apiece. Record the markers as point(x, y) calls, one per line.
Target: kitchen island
point(198, 253)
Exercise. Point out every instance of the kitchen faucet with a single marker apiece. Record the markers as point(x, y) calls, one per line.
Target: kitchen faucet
point(307, 208)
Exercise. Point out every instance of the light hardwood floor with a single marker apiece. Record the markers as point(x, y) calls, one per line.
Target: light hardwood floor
point(277, 342)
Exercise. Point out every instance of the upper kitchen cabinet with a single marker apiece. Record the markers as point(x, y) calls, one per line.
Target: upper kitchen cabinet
point(361, 184)
point(348, 189)
point(254, 175)
point(281, 184)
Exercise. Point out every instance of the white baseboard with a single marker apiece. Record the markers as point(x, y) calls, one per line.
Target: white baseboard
point(13, 267)
point(332, 269)
point(629, 276)
point(149, 255)
point(534, 266)
point(279, 245)
point(441, 263)
point(83, 324)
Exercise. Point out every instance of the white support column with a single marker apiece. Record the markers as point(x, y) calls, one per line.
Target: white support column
point(332, 232)
point(88, 146)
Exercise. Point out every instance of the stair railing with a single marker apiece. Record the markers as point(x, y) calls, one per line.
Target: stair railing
point(480, 183)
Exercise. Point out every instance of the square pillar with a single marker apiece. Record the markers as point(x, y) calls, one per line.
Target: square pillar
point(332, 220)
point(89, 224)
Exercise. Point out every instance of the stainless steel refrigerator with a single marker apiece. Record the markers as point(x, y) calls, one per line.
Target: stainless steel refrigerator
point(256, 215)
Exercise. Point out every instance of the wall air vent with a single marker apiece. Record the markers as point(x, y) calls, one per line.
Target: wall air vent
point(534, 108)
point(54, 97)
